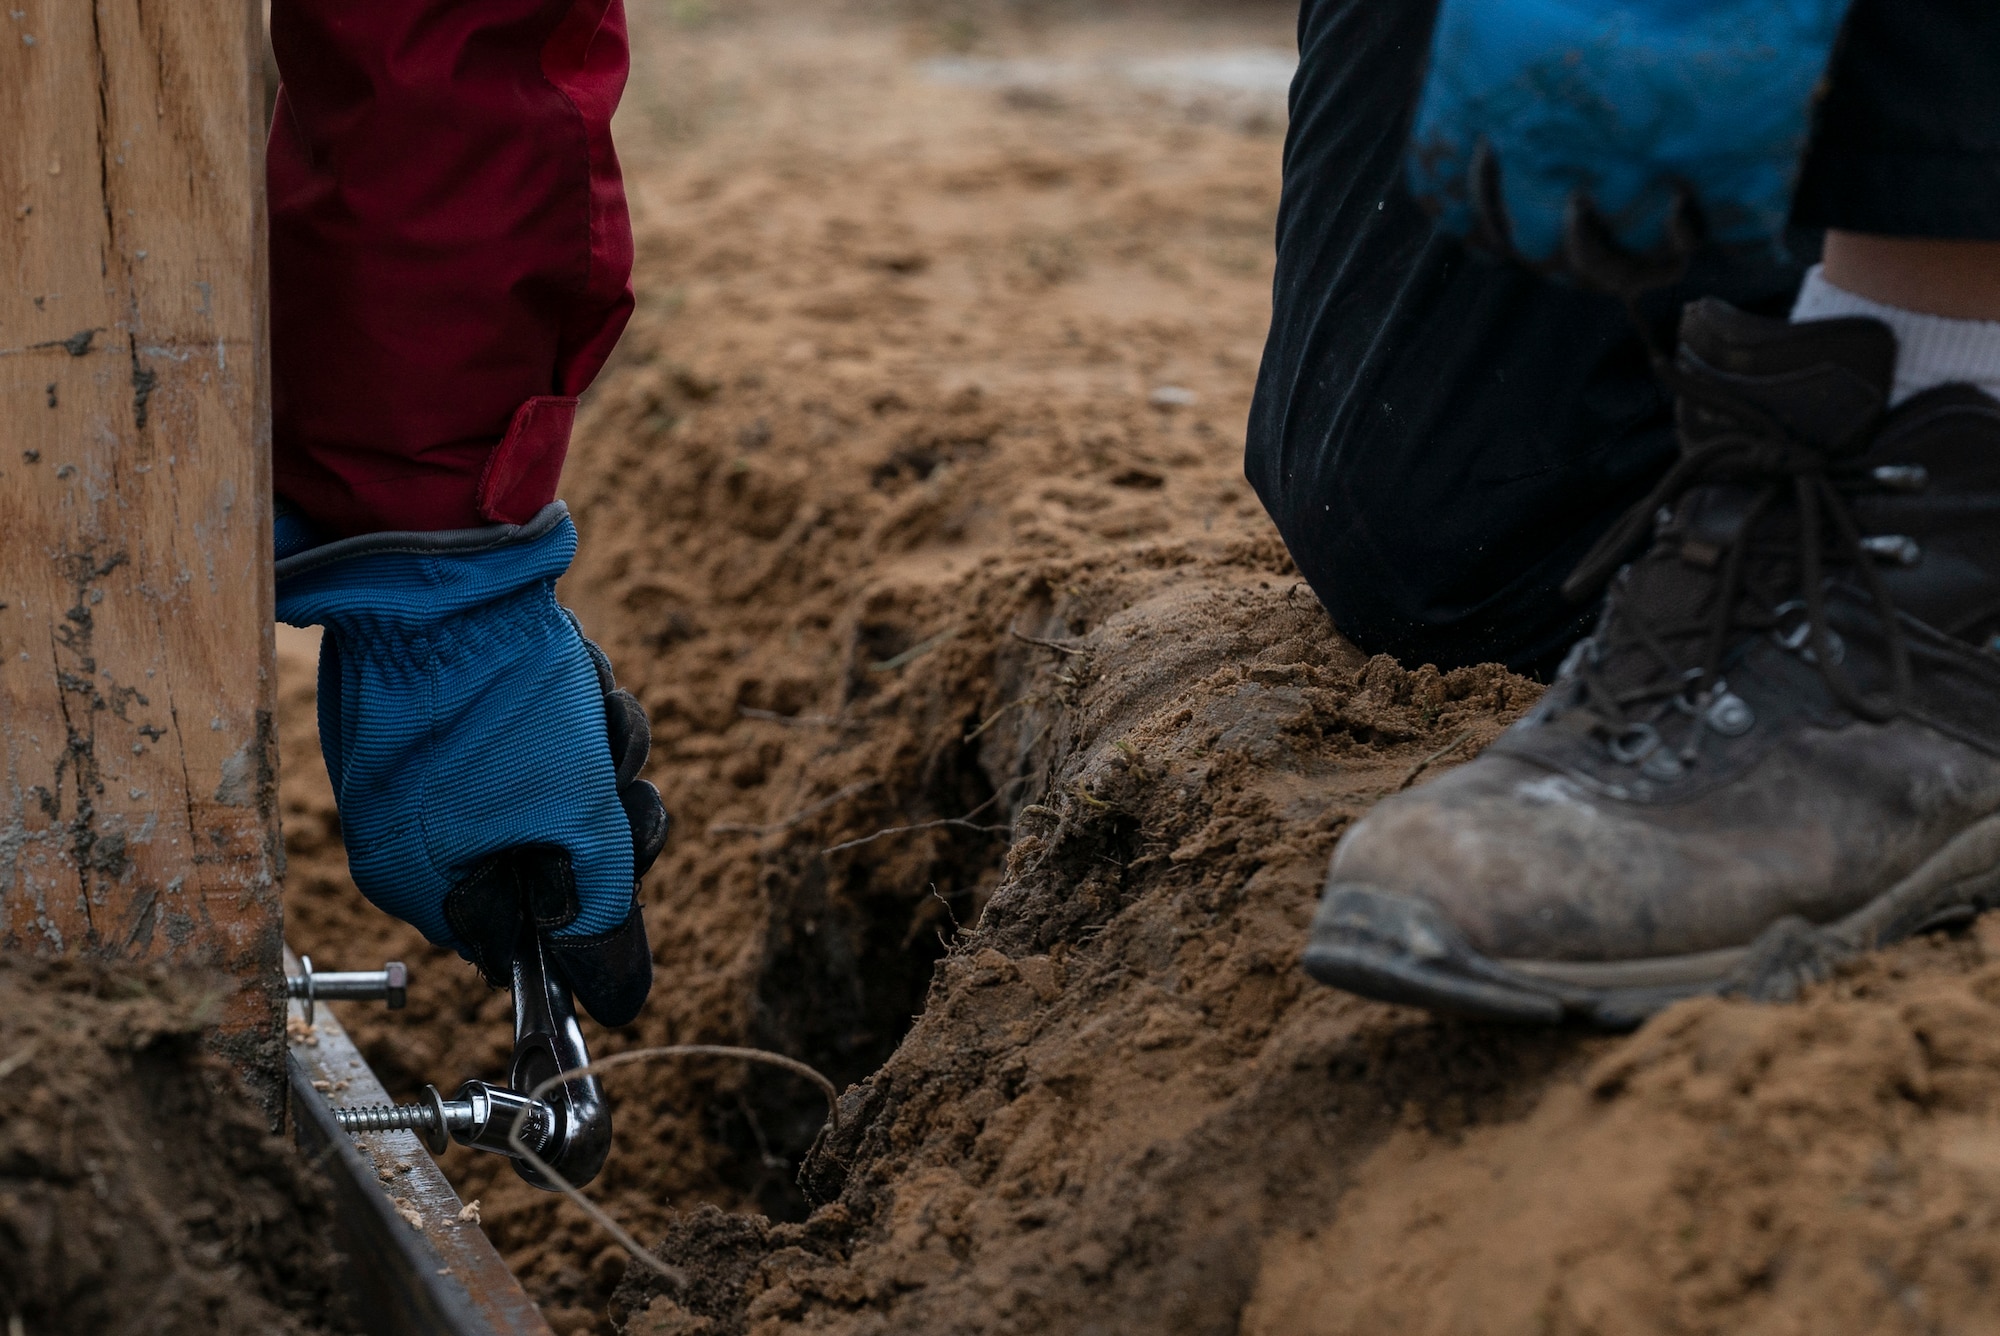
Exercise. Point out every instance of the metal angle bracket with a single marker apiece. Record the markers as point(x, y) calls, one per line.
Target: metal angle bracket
point(414, 1264)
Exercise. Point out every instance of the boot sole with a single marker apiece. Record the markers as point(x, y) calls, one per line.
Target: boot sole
point(1395, 948)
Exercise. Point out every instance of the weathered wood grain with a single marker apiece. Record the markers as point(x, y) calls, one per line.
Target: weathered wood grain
point(137, 760)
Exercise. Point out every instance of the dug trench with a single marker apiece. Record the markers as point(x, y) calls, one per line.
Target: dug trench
point(1006, 751)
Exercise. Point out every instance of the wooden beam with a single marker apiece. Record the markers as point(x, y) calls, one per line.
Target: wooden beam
point(138, 814)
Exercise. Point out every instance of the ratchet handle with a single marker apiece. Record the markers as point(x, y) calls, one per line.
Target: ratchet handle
point(547, 1042)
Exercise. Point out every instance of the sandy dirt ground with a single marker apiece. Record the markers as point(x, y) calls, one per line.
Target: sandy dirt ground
point(142, 1192)
point(1006, 750)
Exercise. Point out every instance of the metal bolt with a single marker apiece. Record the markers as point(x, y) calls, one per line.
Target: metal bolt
point(428, 1120)
point(480, 1116)
point(390, 984)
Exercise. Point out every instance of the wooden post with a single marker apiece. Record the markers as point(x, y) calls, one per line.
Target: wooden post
point(138, 814)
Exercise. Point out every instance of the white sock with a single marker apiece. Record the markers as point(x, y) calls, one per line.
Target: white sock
point(1930, 349)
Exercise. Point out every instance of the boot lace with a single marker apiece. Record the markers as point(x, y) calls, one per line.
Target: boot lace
point(1765, 581)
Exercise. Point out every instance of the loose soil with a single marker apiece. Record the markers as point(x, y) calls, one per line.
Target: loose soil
point(1006, 751)
point(142, 1192)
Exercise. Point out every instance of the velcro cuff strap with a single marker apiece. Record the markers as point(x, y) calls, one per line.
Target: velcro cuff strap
point(521, 474)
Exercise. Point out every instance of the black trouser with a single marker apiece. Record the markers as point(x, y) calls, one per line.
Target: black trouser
point(1440, 436)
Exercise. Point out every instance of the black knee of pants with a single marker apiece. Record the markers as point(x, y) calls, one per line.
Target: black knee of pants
point(1439, 436)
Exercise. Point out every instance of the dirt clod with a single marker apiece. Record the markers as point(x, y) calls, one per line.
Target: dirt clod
point(141, 1190)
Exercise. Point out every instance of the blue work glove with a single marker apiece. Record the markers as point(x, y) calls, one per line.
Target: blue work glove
point(1648, 122)
point(485, 764)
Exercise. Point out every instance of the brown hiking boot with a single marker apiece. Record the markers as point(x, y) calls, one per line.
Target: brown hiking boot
point(1780, 746)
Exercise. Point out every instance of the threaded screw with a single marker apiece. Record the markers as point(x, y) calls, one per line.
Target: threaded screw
point(428, 1119)
point(387, 1118)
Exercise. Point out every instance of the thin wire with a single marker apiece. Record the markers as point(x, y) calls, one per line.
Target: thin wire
point(672, 1275)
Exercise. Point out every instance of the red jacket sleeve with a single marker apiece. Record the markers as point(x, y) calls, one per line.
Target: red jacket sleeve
point(450, 253)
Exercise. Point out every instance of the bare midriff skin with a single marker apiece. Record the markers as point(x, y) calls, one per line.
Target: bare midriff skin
point(1957, 279)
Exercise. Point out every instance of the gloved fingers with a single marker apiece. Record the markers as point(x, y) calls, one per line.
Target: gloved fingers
point(485, 908)
point(606, 681)
point(1630, 103)
point(462, 728)
point(650, 823)
point(1593, 254)
point(610, 972)
point(631, 735)
point(631, 738)
point(1492, 229)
